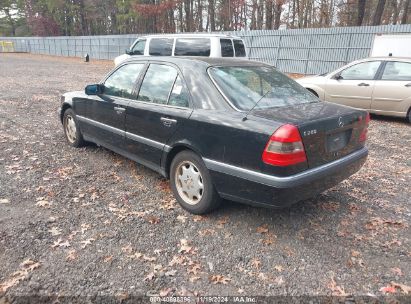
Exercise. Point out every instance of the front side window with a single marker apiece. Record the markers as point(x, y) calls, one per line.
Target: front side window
point(394, 70)
point(157, 83)
point(138, 48)
point(361, 71)
point(192, 47)
point(121, 82)
point(226, 48)
point(245, 86)
point(239, 48)
point(161, 46)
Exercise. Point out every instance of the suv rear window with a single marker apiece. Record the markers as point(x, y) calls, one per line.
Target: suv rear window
point(226, 48)
point(239, 48)
point(192, 47)
point(161, 46)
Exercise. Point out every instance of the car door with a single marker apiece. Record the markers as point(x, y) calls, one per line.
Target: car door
point(353, 86)
point(162, 105)
point(392, 92)
point(106, 112)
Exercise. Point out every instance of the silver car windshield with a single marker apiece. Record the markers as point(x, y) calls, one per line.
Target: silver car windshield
point(244, 86)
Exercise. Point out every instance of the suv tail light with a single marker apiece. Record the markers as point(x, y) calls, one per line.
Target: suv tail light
point(364, 132)
point(285, 147)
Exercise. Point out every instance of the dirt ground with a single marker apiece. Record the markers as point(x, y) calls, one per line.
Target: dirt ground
point(86, 222)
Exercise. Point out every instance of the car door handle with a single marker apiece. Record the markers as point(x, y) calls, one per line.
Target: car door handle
point(363, 84)
point(119, 110)
point(168, 121)
point(408, 85)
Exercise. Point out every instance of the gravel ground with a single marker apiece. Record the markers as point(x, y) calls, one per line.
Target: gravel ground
point(77, 222)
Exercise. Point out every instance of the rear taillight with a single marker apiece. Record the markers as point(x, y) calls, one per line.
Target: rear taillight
point(364, 132)
point(285, 147)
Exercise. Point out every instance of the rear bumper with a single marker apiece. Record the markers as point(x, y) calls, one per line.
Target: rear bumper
point(253, 187)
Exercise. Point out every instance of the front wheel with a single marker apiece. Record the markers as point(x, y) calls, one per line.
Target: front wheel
point(191, 184)
point(71, 129)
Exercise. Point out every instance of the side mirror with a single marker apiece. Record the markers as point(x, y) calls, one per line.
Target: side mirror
point(128, 52)
point(338, 77)
point(94, 89)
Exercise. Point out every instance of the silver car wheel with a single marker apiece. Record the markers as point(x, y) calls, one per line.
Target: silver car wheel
point(189, 182)
point(70, 128)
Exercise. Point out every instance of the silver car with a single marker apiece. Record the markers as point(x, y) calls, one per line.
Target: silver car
point(380, 85)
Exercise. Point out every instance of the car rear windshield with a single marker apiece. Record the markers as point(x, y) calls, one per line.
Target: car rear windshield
point(192, 47)
point(161, 46)
point(244, 86)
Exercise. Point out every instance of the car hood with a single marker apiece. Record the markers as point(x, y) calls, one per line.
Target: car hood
point(120, 59)
point(311, 79)
point(74, 94)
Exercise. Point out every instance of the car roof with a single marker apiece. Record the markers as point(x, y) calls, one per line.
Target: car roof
point(206, 61)
point(386, 58)
point(191, 35)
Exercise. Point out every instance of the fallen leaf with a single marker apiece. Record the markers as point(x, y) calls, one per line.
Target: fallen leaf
point(406, 289)
point(43, 203)
point(194, 279)
point(336, 290)
point(86, 242)
point(153, 220)
point(165, 292)
point(4, 201)
point(181, 218)
point(185, 248)
point(388, 289)
point(170, 273)
point(219, 279)
point(256, 263)
point(194, 269)
point(397, 271)
point(55, 231)
point(60, 243)
point(149, 277)
point(127, 249)
point(108, 259)
point(262, 229)
point(279, 268)
point(71, 255)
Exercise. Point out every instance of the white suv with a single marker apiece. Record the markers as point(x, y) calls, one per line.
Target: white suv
point(205, 45)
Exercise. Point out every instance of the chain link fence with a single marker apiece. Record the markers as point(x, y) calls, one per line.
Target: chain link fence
point(304, 51)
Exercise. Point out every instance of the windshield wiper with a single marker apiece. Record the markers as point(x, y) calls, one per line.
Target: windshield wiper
point(245, 117)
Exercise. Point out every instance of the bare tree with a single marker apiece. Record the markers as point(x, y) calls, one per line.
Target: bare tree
point(378, 12)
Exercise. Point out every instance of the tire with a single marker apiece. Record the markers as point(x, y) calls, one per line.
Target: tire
point(72, 129)
point(191, 184)
point(409, 115)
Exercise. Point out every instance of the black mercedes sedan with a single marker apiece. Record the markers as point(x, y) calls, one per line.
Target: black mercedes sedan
point(220, 128)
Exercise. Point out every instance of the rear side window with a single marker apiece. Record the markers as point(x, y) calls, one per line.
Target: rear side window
point(157, 83)
point(161, 46)
point(226, 48)
point(192, 47)
point(179, 94)
point(121, 82)
point(400, 71)
point(239, 48)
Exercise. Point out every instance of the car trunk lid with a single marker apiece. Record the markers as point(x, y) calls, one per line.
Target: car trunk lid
point(328, 131)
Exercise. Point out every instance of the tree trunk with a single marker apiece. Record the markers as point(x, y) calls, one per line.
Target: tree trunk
point(378, 12)
point(211, 14)
point(268, 14)
point(277, 14)
point(361, 11)
point(405, 14)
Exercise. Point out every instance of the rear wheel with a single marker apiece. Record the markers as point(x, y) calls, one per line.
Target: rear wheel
point(409, 115)
point(191, 183)
point(71, 129)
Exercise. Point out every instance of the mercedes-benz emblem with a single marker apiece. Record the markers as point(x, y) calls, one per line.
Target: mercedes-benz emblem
point(340, 122)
